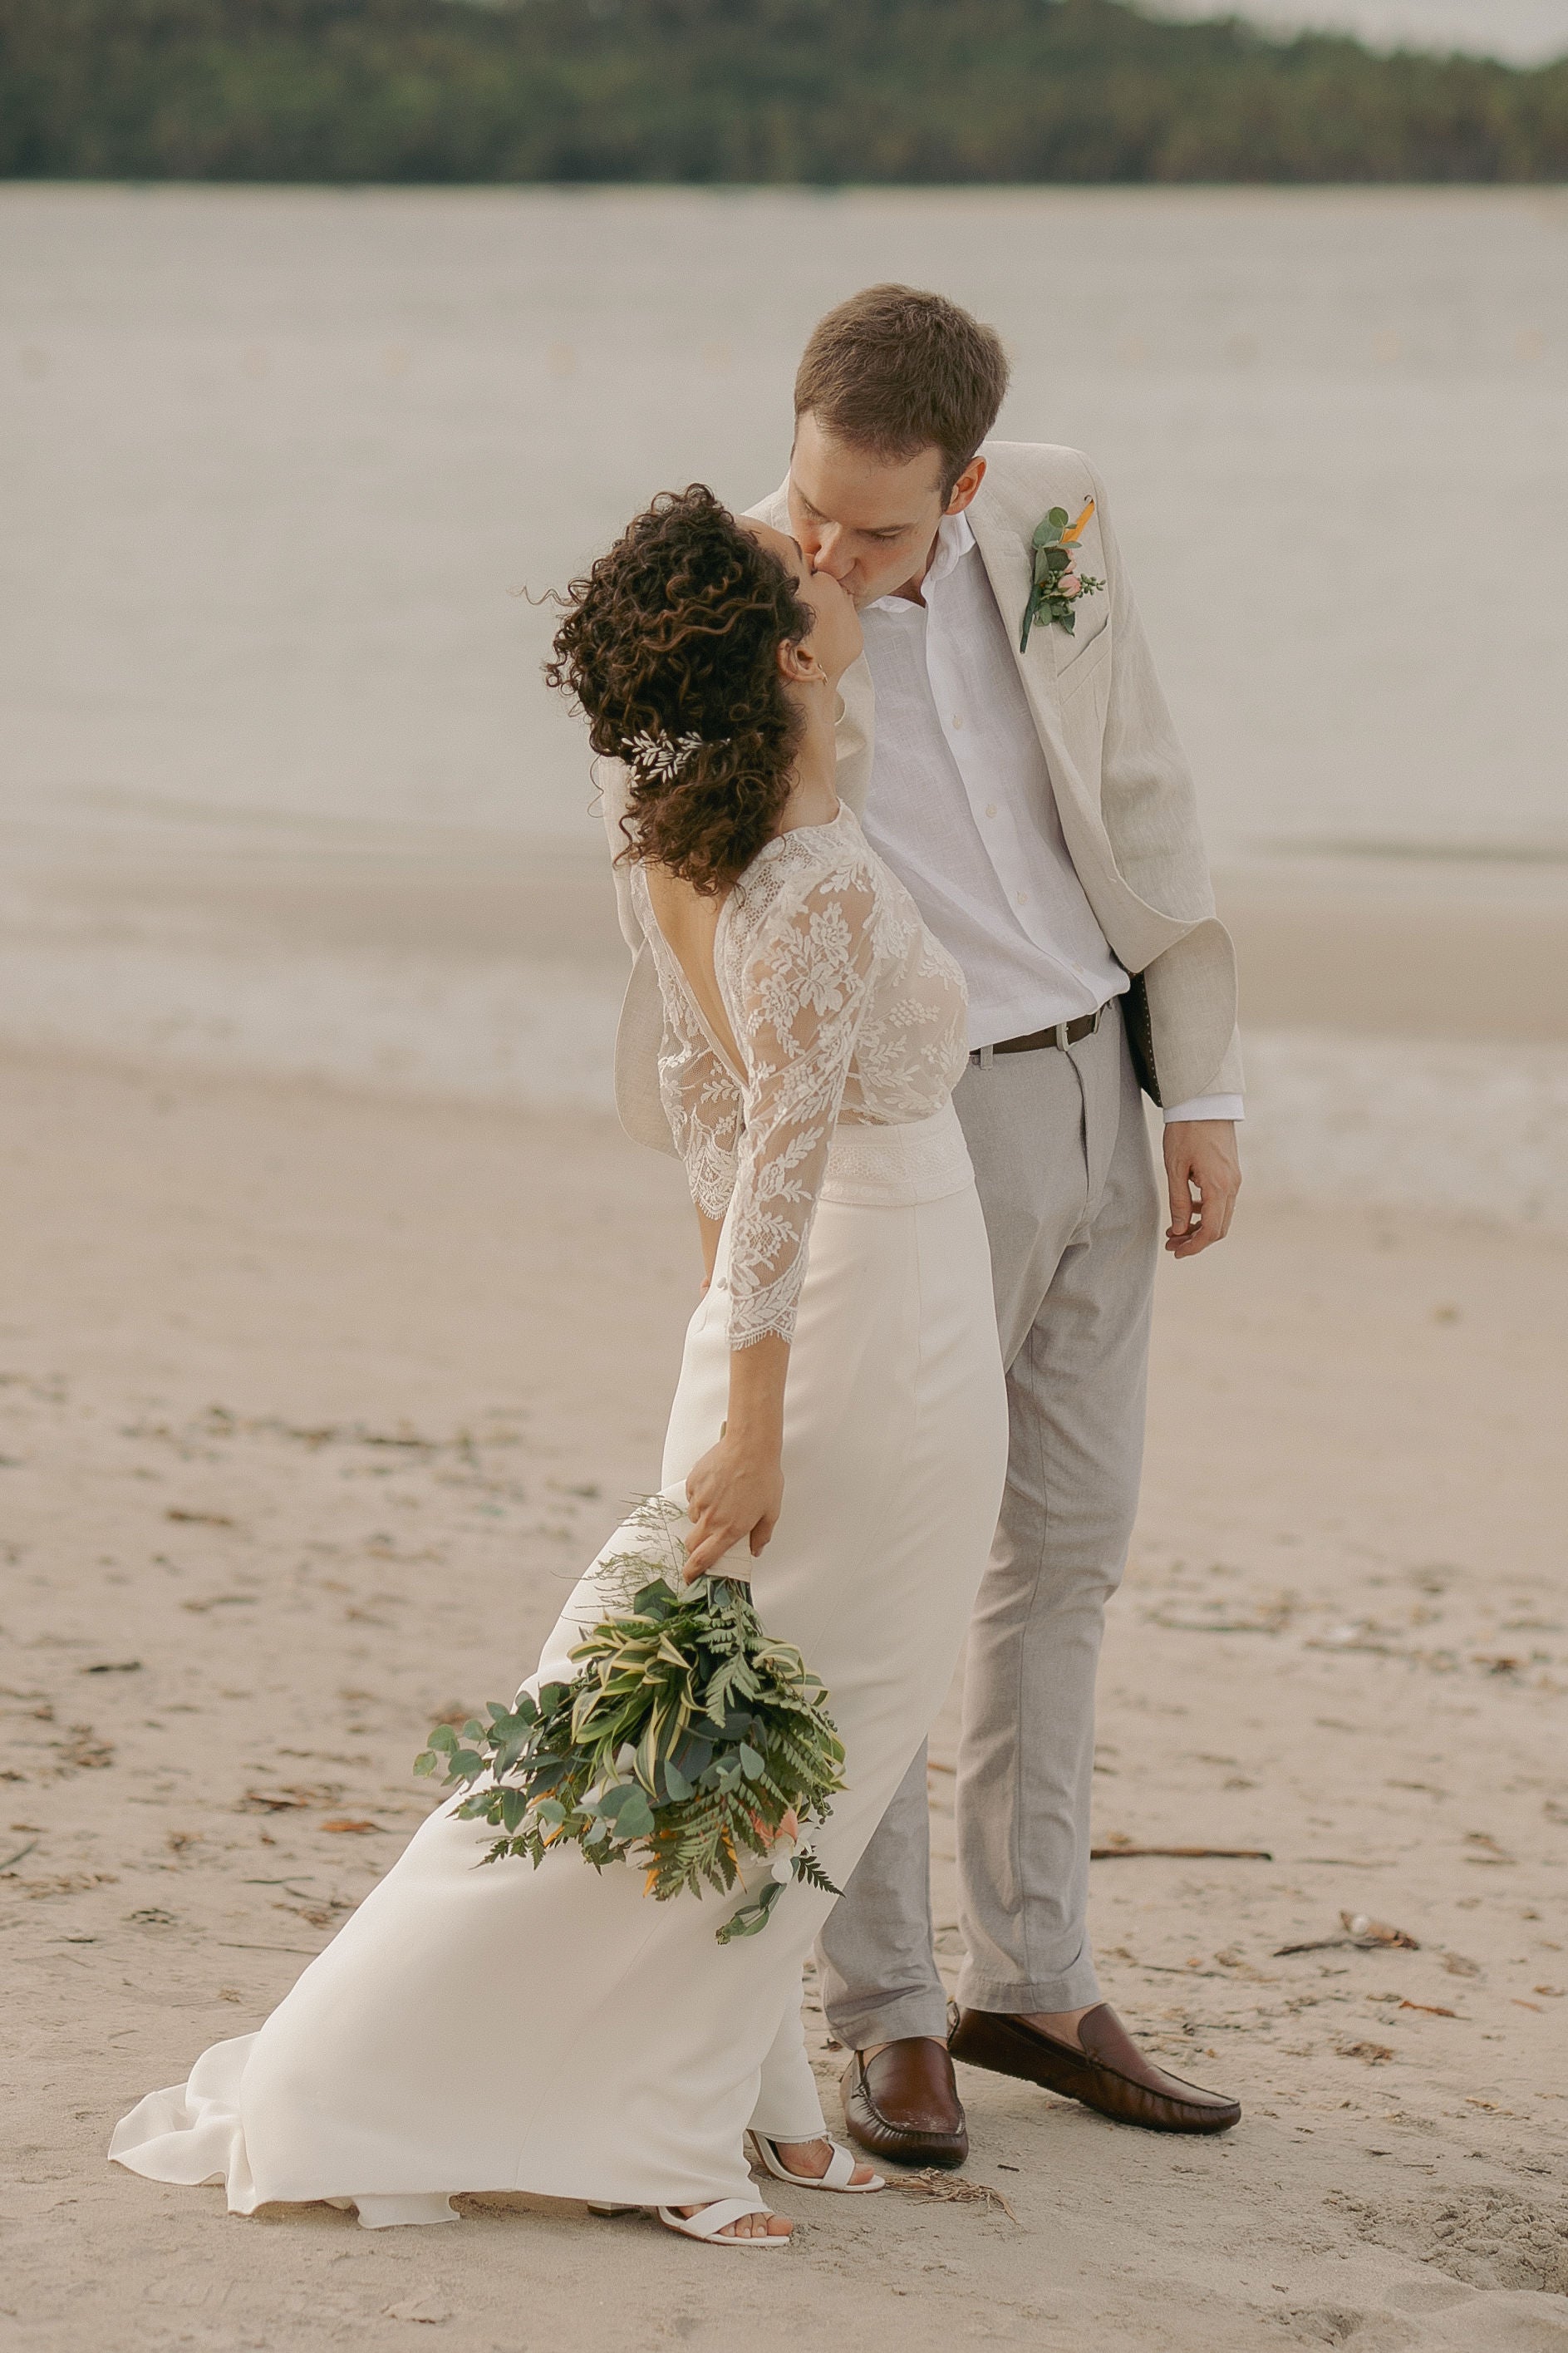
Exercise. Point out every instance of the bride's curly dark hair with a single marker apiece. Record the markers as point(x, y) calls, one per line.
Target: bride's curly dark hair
point(670, 646)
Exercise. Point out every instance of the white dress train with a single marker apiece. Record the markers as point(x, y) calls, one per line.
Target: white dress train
point(555, 2031)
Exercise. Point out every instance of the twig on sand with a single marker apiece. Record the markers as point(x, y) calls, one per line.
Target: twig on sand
point(1270, 1617)
point(950, 2191)
point(309, 1952)
point(21, 1853)
point(1363, 1935)
point(1184, 1853)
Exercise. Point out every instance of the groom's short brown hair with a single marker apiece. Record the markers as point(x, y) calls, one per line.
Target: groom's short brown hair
point(896, 370)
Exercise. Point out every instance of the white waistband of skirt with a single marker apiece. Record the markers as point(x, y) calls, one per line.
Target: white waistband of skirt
point(921, 1160)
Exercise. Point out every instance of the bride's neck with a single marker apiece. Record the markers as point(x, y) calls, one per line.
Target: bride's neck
point(814, 788)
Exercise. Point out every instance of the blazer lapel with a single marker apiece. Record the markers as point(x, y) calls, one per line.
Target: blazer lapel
point(1136, 931)
point(1004, 551)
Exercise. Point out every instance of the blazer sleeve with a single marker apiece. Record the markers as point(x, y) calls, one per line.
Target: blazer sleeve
point(1149, 803)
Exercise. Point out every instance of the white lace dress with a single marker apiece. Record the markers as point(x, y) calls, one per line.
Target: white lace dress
point(846, 1009)
point(613, 2050)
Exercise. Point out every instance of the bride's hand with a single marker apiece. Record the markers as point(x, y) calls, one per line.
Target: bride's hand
point(734, 1493)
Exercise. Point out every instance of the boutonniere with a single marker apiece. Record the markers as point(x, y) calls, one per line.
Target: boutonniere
point(1057, 582)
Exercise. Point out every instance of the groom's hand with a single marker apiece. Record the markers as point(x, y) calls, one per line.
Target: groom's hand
point(1205, 1177)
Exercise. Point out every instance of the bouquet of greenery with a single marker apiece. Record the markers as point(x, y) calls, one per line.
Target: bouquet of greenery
point(688, 1740)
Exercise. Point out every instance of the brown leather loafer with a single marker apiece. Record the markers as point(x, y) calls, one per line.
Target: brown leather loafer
point(1110, 2073)
point(904, 2105)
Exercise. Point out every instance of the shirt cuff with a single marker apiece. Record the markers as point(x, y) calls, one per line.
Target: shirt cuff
point(1208, 1107)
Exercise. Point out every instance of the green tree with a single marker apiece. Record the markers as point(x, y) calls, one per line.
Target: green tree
point(826, 92)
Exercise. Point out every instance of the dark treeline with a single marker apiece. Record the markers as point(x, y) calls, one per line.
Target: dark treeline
point(826, 92)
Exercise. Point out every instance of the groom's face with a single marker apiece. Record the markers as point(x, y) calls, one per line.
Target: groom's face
point(869, 522)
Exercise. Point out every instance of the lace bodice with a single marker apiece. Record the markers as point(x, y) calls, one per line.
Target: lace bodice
point(843, 1007)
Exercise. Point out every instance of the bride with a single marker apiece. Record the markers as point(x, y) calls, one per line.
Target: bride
point(838, 1435)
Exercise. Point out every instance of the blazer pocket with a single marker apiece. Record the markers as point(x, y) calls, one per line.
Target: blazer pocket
point(1088, 657)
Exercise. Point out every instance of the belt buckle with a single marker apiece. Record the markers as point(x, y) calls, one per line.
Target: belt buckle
point(1060, 1035)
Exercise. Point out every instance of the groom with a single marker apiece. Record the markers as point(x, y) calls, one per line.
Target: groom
point(1037, 806)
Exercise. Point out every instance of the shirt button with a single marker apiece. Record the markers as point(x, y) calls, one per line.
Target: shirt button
point(1023, 897)
point(989, 808)
point(956, 720)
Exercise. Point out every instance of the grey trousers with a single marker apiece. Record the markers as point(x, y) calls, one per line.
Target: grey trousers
point(1062, 1162)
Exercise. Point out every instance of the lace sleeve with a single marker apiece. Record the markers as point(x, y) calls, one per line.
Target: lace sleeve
point(803, 990)
point(702, 1104)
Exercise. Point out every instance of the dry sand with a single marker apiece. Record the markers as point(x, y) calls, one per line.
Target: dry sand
point(312, 1405)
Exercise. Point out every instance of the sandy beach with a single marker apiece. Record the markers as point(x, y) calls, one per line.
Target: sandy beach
point(338, 1320)
point(312, 1403)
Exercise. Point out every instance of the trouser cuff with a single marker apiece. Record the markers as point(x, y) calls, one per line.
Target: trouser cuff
point(1076, 1989)
point(897, 2020)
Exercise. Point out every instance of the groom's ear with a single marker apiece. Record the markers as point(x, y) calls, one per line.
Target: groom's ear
point(964, 490)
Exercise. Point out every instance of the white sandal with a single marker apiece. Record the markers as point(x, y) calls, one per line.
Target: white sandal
point(839, 2175)
point(710, 2223)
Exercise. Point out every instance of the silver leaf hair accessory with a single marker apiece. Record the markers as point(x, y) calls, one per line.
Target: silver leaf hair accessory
point(655, 756)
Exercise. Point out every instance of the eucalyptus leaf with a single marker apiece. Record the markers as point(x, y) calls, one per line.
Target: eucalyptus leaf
point(635, 1820)
point(750, 1917)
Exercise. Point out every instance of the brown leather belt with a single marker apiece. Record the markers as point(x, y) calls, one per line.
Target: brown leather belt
point(1066, 1033)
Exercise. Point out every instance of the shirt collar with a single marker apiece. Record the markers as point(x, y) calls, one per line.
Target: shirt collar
point(955, 538)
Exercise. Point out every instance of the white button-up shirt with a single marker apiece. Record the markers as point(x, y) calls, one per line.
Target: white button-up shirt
point(960, 806)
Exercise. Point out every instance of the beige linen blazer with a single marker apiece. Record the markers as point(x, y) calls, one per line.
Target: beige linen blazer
point(1124, 790)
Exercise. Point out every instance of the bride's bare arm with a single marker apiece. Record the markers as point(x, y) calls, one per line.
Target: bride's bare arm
point(735, 1492)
